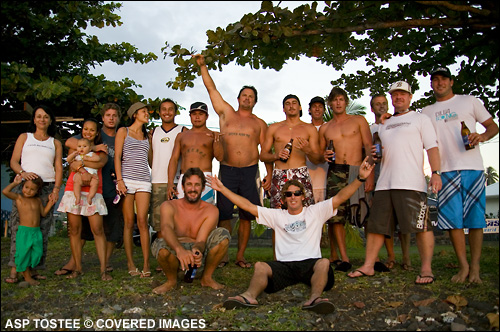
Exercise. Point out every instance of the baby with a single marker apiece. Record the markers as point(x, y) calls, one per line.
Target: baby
point(83, 153)
point(29, 241)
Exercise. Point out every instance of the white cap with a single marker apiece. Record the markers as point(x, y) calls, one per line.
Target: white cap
point(400, 85)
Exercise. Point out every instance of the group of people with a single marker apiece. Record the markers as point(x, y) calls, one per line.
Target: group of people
point(325, 176)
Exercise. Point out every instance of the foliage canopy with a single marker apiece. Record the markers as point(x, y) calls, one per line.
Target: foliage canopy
point(397, 40)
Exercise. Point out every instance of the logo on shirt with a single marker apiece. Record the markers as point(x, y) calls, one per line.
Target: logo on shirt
point(446, 116)
point(165, 139)
point(296, 226)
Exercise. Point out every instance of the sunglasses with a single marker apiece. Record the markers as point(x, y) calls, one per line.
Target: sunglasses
point(295, 193)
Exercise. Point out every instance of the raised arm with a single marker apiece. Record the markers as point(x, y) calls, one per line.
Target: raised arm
point(240, 201)
point(221, 107)
point(7, 191)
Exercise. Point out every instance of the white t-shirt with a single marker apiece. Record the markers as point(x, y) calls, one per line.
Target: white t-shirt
point(163, 145)
point(317, 172)
point(38, 157)
point(403, 138)
point(446, 117)
point(297, 236)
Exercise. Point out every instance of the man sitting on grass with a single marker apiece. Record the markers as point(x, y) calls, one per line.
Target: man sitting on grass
point(297, 245)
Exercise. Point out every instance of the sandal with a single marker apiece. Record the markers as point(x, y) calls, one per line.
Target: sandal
point(11, 280)
point(146, 274)
point(105, 276)
point(134, 273)
point(75, 274)
point(37, 276)
point(63, 271)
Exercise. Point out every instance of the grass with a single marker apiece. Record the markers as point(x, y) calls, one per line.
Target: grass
point(89, 297)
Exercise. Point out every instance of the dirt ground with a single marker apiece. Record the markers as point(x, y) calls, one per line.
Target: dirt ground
point(387, 301)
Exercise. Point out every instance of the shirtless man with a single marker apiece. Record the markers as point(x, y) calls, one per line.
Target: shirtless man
point(190, 234)
point(305, 143)
point(195, 148)
point(239, 170)
point(350, 134)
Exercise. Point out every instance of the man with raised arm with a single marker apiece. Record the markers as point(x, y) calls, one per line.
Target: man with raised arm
point(242, 132)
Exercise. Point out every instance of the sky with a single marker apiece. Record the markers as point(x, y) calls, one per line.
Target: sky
point(149, 25)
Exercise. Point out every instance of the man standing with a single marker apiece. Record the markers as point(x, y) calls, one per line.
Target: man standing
point(195, 148)
point(239, 170)
point(162, 145)
point(190, 234)
point(291, 165)
point(379, 107)
point(298, 234)
point(461, 203)
point(401, 191)
point(350, 134)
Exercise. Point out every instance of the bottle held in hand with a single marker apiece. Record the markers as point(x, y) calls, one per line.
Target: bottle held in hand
point(190, 273)
point(330, 147)
point(465, 137)
point(288, 146)
point(378, 147)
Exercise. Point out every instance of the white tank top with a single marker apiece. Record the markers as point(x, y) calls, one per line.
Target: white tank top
point(163, 145)
point(38, 157)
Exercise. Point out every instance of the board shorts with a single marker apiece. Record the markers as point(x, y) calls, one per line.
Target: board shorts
point(29, 247)
point(291, 273)
point(409, 207)
point(462, 200)
point(242, 181)
point(158, 196)
point(281, 176)
point(214, 238)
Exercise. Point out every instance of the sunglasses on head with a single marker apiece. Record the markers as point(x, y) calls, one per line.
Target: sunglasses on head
point(295, 193)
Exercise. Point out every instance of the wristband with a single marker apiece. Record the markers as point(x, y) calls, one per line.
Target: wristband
point(21, 172)
point(360, 179)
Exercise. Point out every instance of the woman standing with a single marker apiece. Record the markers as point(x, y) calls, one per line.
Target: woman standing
point(37, 154)
point(91, 130)
point(133, 178)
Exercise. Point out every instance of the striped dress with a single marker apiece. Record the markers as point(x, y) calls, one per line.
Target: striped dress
point(135, 159)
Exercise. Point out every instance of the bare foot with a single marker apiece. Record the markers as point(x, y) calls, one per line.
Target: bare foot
point(32, 281)
point(474, 275)
point(209, 282)
point(165, 287)
point(460, 277)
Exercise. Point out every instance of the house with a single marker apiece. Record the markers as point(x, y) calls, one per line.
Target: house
point(492, 207)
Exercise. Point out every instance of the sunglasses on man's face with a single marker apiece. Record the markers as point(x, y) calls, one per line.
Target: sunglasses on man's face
point(294, 193)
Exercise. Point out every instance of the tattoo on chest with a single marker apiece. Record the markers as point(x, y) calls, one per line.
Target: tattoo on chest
point(239, 134)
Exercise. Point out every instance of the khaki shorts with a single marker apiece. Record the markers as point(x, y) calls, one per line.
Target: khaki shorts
point(408, 207)
point(214, 238)
point(158, 196)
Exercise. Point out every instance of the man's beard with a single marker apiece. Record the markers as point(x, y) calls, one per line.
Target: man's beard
point(192, 200)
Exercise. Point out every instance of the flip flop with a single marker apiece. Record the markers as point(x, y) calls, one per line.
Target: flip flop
point(433, 278)
point(233, 303)
point(320, 307)
point(11, 280)
point(63, 271)
point(134, 273)
point(105, 276)
point(381, 267)
point(222, 264)
point(243, 264)
point(146, 274)
point(336, 262)
point(38, 277)
point(344, 267)
point(362, 274)
point(75, 274)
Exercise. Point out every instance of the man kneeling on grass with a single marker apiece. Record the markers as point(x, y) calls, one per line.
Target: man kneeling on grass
point(297, 245)
point(189, 234)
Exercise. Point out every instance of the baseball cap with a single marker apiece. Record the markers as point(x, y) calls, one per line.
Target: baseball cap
point(400, 85)
point(292, 97)
point(443, 71)
point(135, 107)
point(317, 100)
point(198, 106)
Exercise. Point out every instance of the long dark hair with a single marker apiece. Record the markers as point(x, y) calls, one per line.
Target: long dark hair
point(144, 128)
point(52, 130)
point(98, 138)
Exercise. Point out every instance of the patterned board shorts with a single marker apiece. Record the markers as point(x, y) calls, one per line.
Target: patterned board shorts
point(281, 176)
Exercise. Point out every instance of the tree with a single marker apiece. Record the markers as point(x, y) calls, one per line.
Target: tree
point(491, 175)
point(353, 108)
point(48, 55)
point(421, 34)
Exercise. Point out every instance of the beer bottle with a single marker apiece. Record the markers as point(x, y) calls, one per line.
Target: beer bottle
point(330, 147)
point(288, 146)
point(465, 137)
point(190, 273)
point(378, 147)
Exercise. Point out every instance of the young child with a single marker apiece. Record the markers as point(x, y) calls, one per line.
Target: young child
point(29, 243)
point(83, 153)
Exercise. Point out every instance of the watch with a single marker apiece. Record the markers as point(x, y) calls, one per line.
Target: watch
point(437, 172)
